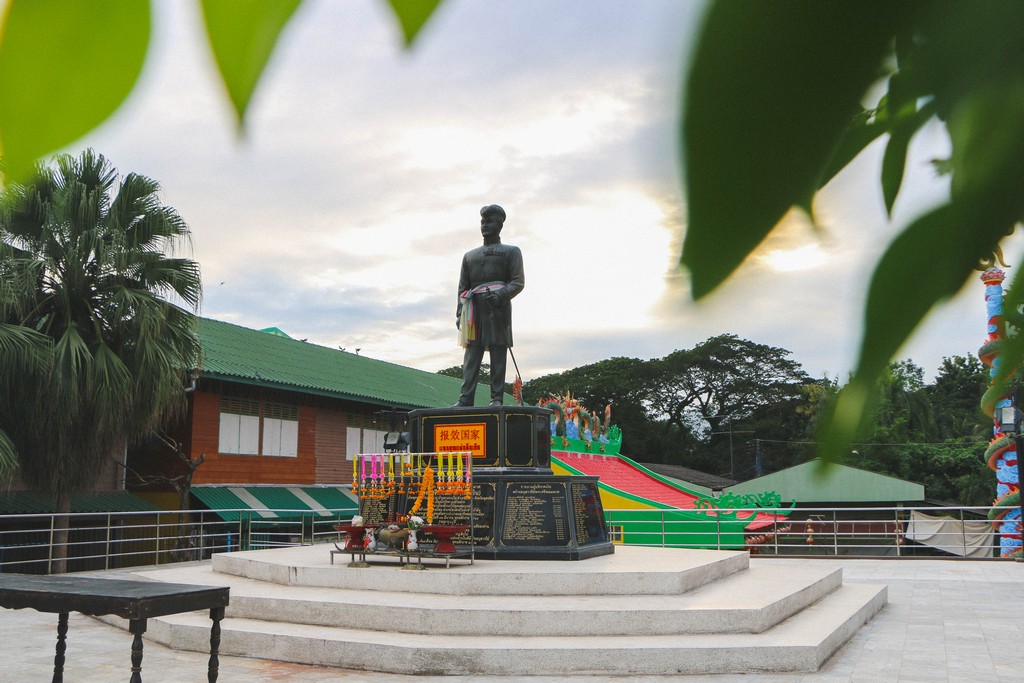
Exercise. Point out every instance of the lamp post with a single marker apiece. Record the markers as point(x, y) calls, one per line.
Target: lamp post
point(1009, 419)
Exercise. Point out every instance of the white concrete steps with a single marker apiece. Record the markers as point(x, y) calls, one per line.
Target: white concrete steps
point(800, 643)
point(749, 601)
point(640, 611)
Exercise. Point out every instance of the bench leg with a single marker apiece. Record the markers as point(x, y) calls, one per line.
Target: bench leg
point(62, 646)
point(216, 614)
point(137, 627)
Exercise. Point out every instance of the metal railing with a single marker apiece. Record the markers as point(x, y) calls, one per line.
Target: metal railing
point(902, 531)
point(126, 539)
point(113, 540)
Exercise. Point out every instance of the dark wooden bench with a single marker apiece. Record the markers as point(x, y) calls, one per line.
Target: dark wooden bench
point(135, 601)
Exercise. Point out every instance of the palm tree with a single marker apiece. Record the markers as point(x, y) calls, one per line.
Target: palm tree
point(22, 350)
point(99, 349)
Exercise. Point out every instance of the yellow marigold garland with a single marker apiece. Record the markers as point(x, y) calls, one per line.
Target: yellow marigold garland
point(426, 489)
point(430, 505)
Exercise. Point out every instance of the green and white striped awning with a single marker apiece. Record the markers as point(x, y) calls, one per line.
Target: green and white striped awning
point(275, 502)
point(28, 502)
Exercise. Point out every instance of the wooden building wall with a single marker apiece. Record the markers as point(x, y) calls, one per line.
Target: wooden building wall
point(322, 441)
point(331, 466)
point(226, 468)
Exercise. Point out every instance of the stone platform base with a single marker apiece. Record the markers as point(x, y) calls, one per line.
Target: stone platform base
point(641, 611)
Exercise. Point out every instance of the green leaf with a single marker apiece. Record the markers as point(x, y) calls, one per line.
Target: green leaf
point(769, 95)
point(894, 162)
point(944, 244)
point(242, 35)
point(862, 130)
point(988, 172)
point(988, 151)
point(65, 67)
point(960, 48)
point(8, 455)
point(849, 416)
point(903, 125)
point(988, 157)
point(806, 204)
point(22, 349)
point(412, 15)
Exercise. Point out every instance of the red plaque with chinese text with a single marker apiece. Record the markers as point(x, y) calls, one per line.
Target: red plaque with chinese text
point(465, 438)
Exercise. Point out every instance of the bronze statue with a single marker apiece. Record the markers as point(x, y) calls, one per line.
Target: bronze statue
point(491, 275)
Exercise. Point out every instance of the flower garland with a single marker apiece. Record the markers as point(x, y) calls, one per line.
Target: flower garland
point(379, 480)
point(381, 483)
point(427, 489)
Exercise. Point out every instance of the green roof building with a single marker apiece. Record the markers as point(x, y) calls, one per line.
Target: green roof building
point(267, 409)
point(811, 483)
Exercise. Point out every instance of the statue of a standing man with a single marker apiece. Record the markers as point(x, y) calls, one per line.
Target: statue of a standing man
point(491, 276)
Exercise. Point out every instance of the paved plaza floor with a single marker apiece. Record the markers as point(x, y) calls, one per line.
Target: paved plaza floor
point(947, 620)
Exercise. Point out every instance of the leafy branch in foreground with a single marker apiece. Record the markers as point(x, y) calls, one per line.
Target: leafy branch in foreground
point(68, 46)
point(772, 112)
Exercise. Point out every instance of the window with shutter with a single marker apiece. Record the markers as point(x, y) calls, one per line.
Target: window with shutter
point(239, 426)
point(280, 430)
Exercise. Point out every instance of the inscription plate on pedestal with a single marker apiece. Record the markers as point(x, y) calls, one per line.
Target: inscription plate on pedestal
point(535, 514)
point(588, 514)
point(455, 510)
point(374, 511)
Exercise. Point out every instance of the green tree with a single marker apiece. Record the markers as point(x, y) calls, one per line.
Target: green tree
point(23, 352)
point(714, 393)
point(485, 373)
point(456, 371)
point(779, 437)
point(902, 432)
point(905, 410)
point(957, 472)
point(724, 378)
point(85, 263)
point(911, 439)
point(818, 396)
point(956, 396)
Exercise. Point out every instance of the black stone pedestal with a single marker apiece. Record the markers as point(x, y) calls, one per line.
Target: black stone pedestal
point(520, 508)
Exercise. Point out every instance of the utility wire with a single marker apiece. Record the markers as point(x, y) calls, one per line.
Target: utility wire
point(865, 444)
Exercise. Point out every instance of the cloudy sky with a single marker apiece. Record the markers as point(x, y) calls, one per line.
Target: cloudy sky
point(342, 214)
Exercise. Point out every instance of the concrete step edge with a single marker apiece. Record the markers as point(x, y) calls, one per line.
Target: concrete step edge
point(748, 601)
point(588, 577)
point(751, 607)
point(801, 643)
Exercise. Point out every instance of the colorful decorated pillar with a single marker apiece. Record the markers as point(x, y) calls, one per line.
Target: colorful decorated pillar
point(1002, 450)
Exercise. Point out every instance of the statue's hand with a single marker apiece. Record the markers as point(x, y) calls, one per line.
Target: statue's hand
point(458, 323)
point(493, 299)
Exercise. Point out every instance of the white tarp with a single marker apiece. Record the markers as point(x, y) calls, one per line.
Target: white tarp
point(965, 538)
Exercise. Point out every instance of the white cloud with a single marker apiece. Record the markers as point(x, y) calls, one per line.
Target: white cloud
point(343, 213)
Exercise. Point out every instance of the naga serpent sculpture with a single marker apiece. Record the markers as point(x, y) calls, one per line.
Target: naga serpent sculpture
point(573, 421)
point(1001, 454)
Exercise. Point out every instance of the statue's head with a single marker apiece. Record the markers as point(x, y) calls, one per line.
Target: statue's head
point(492, 219)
